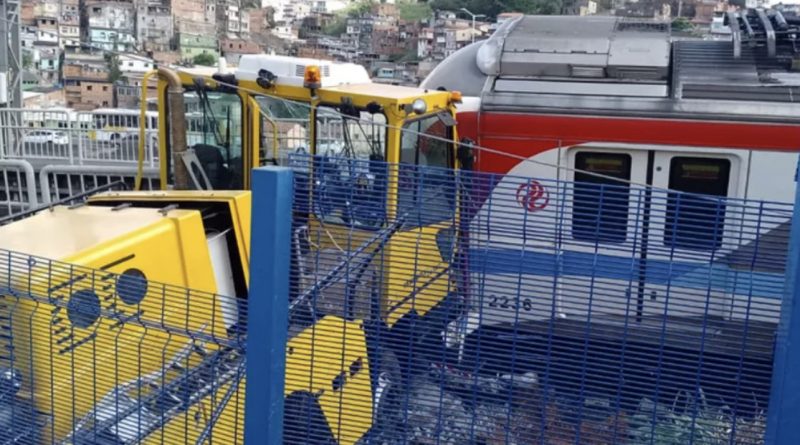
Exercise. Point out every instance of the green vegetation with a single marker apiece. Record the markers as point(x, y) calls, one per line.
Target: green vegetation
point(412, 11)
point(27, 59)
point(681, 24)
point(339, 24)
point(692, 419)
point(359, 8)
point(337, 27)
point(205, 59)
point(491, 8)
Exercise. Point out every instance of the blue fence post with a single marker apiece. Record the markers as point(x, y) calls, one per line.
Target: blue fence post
point(267, 317)
point(783, 427)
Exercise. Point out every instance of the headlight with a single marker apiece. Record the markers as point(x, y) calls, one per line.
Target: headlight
point(419, 106)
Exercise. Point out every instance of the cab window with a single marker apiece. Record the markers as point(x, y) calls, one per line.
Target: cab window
point(214, 131)
point(350, 179)
point(695, 218)
point(601, 197)
point(361, 136)
point(285, 129)
point(426, 189)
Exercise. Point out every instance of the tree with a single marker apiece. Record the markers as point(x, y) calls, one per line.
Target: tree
point(411, 11)
point(205, 59)
point(359, 8)
point(491, 8)
point(336, 27)
point(27, 60)
point(681, 24)
point(114, 73)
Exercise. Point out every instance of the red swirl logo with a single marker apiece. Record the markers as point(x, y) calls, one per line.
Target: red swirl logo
point(533, 196)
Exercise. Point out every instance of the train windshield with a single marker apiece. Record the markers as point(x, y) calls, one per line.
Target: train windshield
point(426, 181)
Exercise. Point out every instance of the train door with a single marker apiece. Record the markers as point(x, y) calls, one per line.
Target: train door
point(686, 233)
point(601, 242)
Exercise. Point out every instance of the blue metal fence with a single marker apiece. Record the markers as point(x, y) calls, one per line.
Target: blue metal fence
point(92, 357)
point(471, 308)
point(452, 308)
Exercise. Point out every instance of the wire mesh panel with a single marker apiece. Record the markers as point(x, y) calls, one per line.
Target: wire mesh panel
point(433, 306)
point(93, 357)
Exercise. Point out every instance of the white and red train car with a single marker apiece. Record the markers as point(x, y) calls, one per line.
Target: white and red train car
point(563, 98)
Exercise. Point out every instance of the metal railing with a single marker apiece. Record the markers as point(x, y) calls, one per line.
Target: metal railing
point(75, 138)
point(60, 181)
point(17, 187)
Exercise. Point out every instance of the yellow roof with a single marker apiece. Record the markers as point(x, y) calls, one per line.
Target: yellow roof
point(175, 195)
point(62, 232)
point(378, 90)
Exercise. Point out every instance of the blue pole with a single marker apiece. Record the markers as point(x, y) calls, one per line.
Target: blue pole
point(267, 316)
point(783, 427)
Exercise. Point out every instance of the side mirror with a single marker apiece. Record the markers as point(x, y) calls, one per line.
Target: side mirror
point(465, 154)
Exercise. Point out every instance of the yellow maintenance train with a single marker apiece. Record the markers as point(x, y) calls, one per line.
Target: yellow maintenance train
point(214, 127)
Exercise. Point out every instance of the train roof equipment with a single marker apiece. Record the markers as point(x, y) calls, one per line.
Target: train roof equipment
point(631, 66)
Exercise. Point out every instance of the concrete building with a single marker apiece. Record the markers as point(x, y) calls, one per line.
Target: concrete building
point(43, 97)
point(286, 32)
point(194, 17)
point(26, 14)
point(44, 49)
point(190, 45)
point(46, 62)
point(425, 42)
point(155, 25)
point(328, 6)
point(86, 81)
point(30, 80)
point(110, 25)
point(259, 23)
point(233, 49)
point(394, 73)
point(232, 20)
point(134, 64)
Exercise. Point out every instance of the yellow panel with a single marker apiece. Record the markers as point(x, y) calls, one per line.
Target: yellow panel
point(60, 232)
point(239, 201)
point(319, 354)
point(418, 279)
point(68, 368)
point(393, 92)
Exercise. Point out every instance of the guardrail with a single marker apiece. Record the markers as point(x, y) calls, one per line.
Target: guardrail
point(60, 181)
point(71, 137)
point(17, 187)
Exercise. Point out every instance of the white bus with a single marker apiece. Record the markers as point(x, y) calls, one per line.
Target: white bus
point(113, 125)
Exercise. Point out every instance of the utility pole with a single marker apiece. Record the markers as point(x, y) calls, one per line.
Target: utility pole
point(474, 16)
point(11, 67)
point(10, 53)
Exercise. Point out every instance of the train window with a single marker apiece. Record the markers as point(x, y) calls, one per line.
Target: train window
point(600, 203)
point(695, 218)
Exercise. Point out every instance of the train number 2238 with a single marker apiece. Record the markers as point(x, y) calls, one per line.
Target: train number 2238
point(503, 302)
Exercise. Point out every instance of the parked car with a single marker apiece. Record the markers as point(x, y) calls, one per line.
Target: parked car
point(50, 137)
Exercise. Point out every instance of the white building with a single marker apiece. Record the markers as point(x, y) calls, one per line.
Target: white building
point(129, 64)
